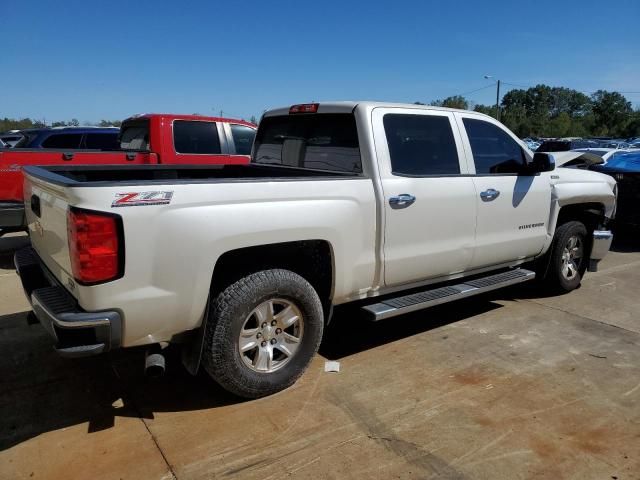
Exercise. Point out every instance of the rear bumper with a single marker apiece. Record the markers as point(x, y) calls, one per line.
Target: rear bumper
point(76, 333)
point(11, 216)
point(600, 245)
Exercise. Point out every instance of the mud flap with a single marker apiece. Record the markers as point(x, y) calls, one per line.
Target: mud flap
point(192, 352)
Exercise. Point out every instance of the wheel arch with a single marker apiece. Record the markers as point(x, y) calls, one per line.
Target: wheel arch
point(313, 260)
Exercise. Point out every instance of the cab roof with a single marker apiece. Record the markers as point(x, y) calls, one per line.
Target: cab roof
point(349, 106)
point(179, 116)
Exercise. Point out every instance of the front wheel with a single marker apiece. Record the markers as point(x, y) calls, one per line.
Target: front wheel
point(262, 332)
point(567, 259)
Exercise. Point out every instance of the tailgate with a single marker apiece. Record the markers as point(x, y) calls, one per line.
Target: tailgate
point(46, 207)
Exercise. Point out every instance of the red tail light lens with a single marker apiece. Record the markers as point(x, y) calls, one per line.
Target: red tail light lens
point(94, 246)
point(304, 108)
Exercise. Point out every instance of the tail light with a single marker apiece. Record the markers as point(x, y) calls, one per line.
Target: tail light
point(304, 108)
point(95, 246)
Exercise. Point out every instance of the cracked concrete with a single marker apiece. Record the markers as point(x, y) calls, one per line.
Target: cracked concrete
point(507, 385)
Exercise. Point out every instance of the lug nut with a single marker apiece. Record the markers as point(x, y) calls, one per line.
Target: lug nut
point(263, 344)
point(273, 341)
point(264, 324)
point(258, 335)
point(278, 331)
point(273, 323)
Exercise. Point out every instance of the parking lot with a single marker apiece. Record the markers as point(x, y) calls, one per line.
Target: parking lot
point(507, 385)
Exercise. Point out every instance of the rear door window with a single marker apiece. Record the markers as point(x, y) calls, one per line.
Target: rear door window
point(421, 145)
point(101, 141)
point(135, 135)
point(196, 137)
point(242, 138)
point(63, 140)
point(494, 151)
point(316, 141)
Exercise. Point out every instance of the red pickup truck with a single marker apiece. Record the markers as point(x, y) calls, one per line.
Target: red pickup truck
point(144, 139)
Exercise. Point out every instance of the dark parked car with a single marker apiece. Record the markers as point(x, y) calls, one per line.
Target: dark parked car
point(625, 168)
point(77, 138)
point(566, 145)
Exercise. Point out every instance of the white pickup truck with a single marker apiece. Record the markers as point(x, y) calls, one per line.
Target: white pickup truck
point(396, 207)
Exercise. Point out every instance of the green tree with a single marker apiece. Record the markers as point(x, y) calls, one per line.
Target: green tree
point(456, 101)
point(109, 123)
point(612, 111)
point(632, 130)
point(559, 126)
point(486, 109)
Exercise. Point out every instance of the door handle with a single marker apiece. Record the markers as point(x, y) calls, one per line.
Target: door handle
point(490, 194)
point(401, 201)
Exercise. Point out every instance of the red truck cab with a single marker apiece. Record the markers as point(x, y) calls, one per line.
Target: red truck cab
point(153, 138)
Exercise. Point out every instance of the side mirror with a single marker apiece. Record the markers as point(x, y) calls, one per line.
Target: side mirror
point(542, 162)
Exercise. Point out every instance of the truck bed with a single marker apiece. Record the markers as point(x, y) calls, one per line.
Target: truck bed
point(12, 161)
point(110, 175)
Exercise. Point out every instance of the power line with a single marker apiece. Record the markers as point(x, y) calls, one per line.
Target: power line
point(474, 91)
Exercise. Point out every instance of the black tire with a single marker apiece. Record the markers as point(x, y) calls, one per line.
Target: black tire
point(229, 312)
point(550, 271)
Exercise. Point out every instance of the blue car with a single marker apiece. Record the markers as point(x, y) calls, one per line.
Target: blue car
point(77, 138)
point(625, 168)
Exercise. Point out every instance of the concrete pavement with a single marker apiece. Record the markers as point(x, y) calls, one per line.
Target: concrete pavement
point(508, 385)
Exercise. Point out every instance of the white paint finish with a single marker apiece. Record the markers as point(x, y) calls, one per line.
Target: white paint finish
point(48, 232)
point(434, 236)
point(523, 201)
point(171, 250)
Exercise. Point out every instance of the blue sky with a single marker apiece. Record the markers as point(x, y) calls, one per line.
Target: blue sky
point(93, 60)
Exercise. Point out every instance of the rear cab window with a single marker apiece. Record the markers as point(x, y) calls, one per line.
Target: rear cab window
point(134, 135)
point(319, 141)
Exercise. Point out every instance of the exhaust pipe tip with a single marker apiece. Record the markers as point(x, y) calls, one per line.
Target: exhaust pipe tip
point(154, 365)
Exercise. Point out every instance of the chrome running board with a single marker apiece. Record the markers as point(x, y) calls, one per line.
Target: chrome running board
point(392, 307)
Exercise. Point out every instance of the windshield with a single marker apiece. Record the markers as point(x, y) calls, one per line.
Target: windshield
point(314, 141)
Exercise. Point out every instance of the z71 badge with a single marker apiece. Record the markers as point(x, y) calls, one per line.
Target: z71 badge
point(138, 199)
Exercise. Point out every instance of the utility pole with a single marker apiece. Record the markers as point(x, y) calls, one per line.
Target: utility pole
point(498, 101)
point(489, 77)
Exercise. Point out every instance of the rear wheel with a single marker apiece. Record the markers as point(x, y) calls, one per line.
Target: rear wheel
point(567, 260)
point(262, 332)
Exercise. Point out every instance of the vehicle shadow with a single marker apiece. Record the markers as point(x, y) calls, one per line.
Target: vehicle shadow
point(8, 246)
point(350, 331)
point(626, 240)
point(41, 392)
